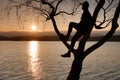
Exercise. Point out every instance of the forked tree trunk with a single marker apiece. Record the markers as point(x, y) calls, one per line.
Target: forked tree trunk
point(77, 63)
point(78, 59)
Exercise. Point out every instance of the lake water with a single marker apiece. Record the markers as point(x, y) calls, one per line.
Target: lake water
point(36, 60)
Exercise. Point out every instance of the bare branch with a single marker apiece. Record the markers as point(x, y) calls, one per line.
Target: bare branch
point(58, 5)
point(50, 5)
point(110, 3)
point(101, 23)
point(109, 9)
point(99, 6)
point(64, 12)
point(108, 35)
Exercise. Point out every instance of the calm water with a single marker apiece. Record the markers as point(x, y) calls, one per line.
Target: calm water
point(32, 60)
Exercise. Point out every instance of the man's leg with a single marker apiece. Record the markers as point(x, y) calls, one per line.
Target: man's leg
point(74, 39)
point(71, 26)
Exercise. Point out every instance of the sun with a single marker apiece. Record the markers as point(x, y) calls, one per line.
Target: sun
point(34, 27)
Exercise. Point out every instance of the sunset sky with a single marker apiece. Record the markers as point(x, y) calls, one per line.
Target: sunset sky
point(10, 23)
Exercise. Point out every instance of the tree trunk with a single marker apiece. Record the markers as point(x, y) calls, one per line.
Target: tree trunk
point(76, 68)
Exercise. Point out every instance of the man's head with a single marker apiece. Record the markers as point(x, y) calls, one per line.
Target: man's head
point(85, 5)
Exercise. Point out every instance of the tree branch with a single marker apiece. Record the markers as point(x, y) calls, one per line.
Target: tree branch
point(64, 12)
point(104, 15)
point(50, 5)
point(108, 35)
point(59, 34)
point(52, 14)
point(58, 5)
point(97, 9)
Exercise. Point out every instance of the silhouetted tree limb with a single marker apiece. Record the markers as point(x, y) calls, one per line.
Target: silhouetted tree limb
point(58, 5)
point(104, 17)
point(59, 34)
point(108, 35)
point(52, 15)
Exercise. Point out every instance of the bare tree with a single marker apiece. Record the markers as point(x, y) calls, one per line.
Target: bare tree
point(49, 9)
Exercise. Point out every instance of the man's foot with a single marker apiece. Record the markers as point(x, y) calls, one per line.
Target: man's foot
point(64, 37)
point(66, 55)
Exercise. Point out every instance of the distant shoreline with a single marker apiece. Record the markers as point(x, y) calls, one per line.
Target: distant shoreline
point(48, 36)
point(51, 38)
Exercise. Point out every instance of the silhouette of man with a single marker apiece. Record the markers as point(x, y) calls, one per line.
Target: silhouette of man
point(82, 28)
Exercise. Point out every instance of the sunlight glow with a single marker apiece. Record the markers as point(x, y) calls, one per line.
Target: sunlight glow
point(34, 27)
point(34, 62)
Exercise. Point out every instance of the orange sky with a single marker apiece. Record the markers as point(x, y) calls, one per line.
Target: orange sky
point(11, 24)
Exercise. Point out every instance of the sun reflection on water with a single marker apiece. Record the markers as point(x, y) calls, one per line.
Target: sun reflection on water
point(34, 63)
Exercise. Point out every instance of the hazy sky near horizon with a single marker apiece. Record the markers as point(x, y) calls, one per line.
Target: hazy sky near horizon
point(10, 23)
